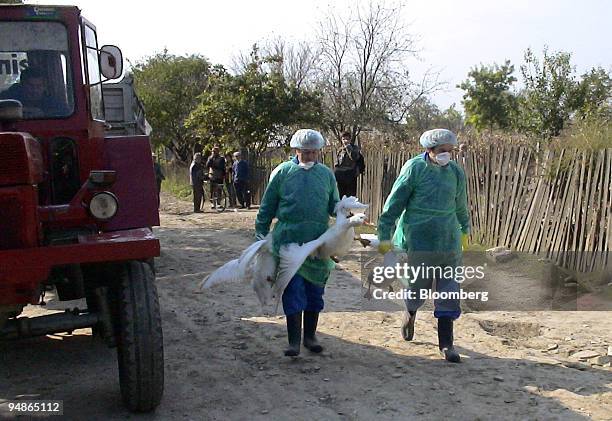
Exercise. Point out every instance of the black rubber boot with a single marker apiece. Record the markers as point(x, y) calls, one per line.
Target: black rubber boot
point(408, 325)
point(294, 334)
point(445, 340)
point(311, 318)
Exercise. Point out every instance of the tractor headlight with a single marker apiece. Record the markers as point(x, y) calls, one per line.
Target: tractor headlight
point(103, 206)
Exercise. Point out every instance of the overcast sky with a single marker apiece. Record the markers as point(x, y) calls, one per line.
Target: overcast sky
point(455, 35)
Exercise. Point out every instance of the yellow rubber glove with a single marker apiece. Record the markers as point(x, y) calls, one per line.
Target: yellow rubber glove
point(385, 247)
point(465, 240)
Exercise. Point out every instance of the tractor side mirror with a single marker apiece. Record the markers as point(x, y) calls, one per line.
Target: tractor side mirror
point(10, 110)
point(111, 62)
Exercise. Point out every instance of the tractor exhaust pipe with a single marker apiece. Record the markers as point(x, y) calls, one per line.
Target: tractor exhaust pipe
point(27, 327)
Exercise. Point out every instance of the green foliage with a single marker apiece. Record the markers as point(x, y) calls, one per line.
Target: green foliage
point(591, 133)
point(425, 115)
point(169, 87)
point(553, 99)
point(177, 181)
point(593, 95)
point(549, 97)
point(488, 102)
point(254, 108)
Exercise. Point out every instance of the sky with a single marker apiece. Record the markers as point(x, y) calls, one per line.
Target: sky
point(454, 35)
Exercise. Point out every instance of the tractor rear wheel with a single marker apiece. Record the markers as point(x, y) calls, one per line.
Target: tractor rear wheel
point(140, 350)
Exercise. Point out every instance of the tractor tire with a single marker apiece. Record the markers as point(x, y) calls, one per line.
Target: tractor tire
point(151, 262)
point(140, 351)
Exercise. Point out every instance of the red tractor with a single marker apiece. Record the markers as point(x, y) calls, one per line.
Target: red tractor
point(76, 207)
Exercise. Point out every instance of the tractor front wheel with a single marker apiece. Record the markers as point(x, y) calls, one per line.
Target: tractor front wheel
point(140, 350)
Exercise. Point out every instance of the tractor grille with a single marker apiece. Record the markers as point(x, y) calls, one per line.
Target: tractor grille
point(13, 165)
point(19, 225)
point(20, 160)
point(11, 223)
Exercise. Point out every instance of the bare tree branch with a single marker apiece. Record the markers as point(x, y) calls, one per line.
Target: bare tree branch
point(363, 58)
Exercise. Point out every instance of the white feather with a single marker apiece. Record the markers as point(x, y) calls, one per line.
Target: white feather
point(256, 266)
point(262, 275)
point(292, 256)
point(226, 273)
point(247, 256)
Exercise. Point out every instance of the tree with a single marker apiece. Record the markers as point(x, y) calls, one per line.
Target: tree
point(451, 119)
point(488, 102)
point(594, 95)
point(169, 87)
point(253, 109)
point(295, 61)
point(422, 116)
point(549, 97)
point(425, 115)
point(363, 76)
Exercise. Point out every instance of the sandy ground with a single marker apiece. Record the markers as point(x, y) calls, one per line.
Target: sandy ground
point(224, 356)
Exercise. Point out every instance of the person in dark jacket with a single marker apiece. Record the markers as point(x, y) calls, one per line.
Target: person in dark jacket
point(346, 170)
point(196, 179)
point(241, 180)
point(159, 177)
point(229, 179)
point(216, 172)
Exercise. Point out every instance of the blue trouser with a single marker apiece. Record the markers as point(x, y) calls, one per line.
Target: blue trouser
point(302, 295)
point(442, 307)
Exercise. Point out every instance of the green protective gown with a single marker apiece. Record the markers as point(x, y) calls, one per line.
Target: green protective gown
point(431, 204)
point(302, 201)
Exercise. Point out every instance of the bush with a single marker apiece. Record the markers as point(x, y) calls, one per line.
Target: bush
point(587, 134)
point(177, 181)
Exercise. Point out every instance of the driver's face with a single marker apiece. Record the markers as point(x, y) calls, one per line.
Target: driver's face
point(34, 88)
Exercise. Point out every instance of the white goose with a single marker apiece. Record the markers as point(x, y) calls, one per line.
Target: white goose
point(333, 243)
point(257, 264)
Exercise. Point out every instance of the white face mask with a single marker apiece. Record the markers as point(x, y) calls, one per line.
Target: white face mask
point(443, 158)
point(306, 165)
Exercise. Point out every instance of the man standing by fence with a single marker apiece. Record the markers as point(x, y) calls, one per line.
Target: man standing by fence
point(347, 167)
point(196, 179)
point(429, 198)
point(216, 172)
point(241, 180)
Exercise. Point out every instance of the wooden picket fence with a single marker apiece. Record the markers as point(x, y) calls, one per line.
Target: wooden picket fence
point(262, 166)
point(555, 203)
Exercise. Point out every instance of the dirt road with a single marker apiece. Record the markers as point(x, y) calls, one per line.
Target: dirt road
point(224, 357)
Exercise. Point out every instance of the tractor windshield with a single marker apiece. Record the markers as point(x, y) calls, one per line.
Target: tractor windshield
point(35, 68)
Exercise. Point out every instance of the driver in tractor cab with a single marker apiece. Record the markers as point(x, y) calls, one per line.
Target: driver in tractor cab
point(34, 95)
